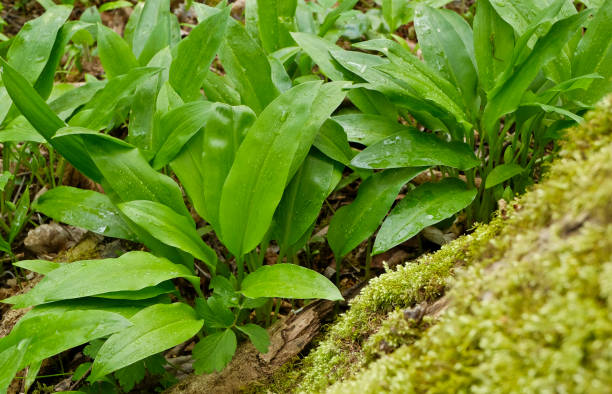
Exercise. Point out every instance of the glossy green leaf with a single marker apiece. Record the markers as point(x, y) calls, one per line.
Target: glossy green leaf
point(223, 134)
point(177, 126)
point(289, 281)
point(428, 204)
point(145, 23)
point(154, 329)
point(260, 172)
point(594, 53)
point(258, 336)
point(113, 5)
point(367, 129)
point(502, 173)
point(446, 41)
point(205, 161)
point(275, 21)
point(99, 112)
point(66, 104)
point(318, 49)
point(115, 54)
point(38, 266)
point(505, 97)
point(354, 223)
point(32, 46)
point(413, 148)
point(214, 351)
point(304, 196)
point(219, 88)
point(195, 53)
point(84, 208)
point(332, 17)
point(11, 358)
point(142, 294)
point(48, 334)
point(127, 171)
point(333, 142)
point(170, 228)
point(46, 122)
point(493, 43)
point(123, 307)
point(132, 271)
point(252, 78)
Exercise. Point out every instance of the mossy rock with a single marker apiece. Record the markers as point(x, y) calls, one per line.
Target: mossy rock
point(521, 304)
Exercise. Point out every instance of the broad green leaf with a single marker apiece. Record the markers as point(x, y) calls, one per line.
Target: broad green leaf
point(65, 105)
point(20, 130)
point(304, 196)
point(446, 41)
point(132, 271)
point(424, 99)
point(318, 49)
point(594, 54)
point(258, 336)
point(113, 5)
point(222, 136)
point(20, 215)
point(38, 266)
point(289, 281)
point(152, 15)
point(115, 54)
point(123, 307)
point(141, 123)
point(205, 161)
point(332, 17)
point(195, 53)
point(493, 43)
point(367, 129)
point(215, 313)
point(252, 78)
point(333, 142)
point(263, 163)
point(276, 19)
point(214, 351)
point(502, 173)
point(154, 329)
point(505, 97)
point(170, 228)
point(423, 79)
point(50, 333)
point(401, 12)
point(177, 126)
point(354, 223)
point(46, 122)
point(99, 113)
point(142, 294)
point(413, 148)
point(11, 359)
point(328, 98)
point(32, 46)
point(84, 208)
point(428, 204)
point(218, 88)
point(127, 171)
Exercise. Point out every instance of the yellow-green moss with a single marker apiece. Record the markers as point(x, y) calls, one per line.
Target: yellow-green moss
point(531, 298)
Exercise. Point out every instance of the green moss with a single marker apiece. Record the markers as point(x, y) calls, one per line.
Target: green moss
point(530, 298)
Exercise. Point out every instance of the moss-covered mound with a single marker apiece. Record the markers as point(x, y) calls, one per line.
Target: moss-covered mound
point(522, 304)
